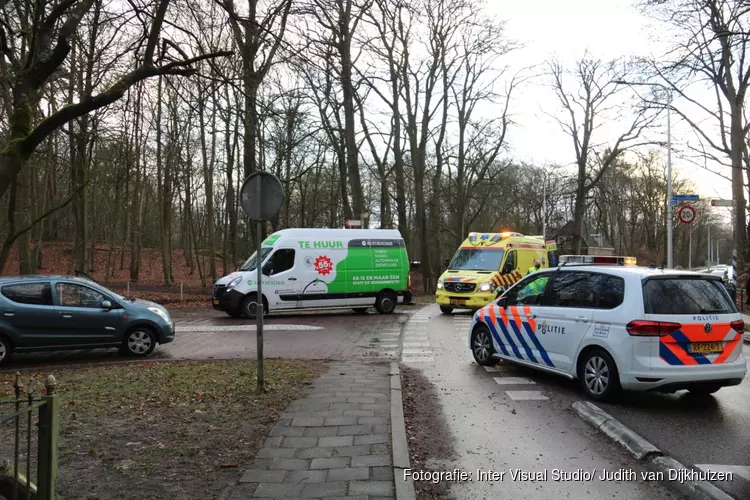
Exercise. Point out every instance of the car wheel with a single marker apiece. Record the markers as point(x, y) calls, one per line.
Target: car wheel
point(5, 351)
point(360, 310)
point(704, 390)
point(386, 302)
point(235, 314)
point(249, 306)
point(481, 346)
point(598, 375)
point(446, 309)
point(139, 341)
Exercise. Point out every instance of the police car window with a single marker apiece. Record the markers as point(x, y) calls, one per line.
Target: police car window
point(686, 296)
point(573, 289)
point(611, 291)
point(530, 293)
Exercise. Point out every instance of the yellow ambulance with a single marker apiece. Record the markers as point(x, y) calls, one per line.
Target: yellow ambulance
point(486, 263)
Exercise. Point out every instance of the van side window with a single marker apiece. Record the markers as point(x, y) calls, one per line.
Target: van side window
point(39, 294)
point(282, 260)
point(510, 262)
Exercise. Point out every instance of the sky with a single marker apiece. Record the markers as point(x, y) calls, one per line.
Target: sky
point(608, 29)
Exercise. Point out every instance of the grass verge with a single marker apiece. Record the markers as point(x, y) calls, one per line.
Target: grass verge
point(179, 430)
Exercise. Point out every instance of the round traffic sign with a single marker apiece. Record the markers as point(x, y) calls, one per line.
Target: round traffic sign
point(686, 214)
point(261, 196)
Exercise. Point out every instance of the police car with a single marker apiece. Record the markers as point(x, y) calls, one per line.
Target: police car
point(613, 325)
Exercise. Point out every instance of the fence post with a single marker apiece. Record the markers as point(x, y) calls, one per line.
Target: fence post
point(49, 432)
point(181, 291)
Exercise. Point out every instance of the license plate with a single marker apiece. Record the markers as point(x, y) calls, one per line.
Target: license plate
point(456, 302)
point(216, 302)
point(706, 347)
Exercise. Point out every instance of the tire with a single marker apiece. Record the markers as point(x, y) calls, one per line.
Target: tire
point(235, 314)
point(481, 346)
point(446, 309)
point(6, 351)
point(704, 390)
point(360, 310)
point(139, 341)
point(248, 306)
point(386, 302)
point(598, 375)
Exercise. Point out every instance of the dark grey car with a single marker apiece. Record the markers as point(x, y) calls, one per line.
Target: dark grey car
point(42, 313)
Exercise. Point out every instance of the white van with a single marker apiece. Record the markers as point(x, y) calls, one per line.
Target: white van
point(320, 268)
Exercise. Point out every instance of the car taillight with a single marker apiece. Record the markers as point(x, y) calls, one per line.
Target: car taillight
point(408, 281)
point(738, 326)
point(643, 328)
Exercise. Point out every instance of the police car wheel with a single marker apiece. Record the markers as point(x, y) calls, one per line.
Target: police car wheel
point(386, 302)
point(446, 309)
point(598, 375)
point(481, 346)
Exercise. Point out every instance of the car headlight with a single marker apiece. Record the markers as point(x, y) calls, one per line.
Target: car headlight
point(161, 312)
point(234, 282)
point(439, 285)
point(485, 287)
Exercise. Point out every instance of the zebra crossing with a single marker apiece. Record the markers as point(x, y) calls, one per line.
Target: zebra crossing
point(416, 346)
point(385, 344)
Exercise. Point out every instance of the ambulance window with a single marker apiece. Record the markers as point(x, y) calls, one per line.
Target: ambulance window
point(510, 262)
point(282, 260)
point(573, 289)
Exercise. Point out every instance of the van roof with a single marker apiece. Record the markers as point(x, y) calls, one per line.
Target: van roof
point(339, 233)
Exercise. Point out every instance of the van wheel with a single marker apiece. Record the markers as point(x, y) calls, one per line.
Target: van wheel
point(386, 302)
point(139, 341)
point(360, 310)
point(598, 375)
point(249, 306)
point(481, 346)
point(446, 309)
point(6, 350)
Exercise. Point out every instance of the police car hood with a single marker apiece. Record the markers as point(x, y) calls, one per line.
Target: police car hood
point(467, 276)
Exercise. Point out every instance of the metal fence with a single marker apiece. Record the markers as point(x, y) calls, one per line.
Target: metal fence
point(31, 410)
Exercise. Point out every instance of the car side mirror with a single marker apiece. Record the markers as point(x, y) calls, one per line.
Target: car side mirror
point(447, 263)
point(106, 304)
point(502, 302)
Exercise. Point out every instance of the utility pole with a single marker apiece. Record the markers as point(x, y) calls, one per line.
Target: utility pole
point(544, 209)
point(670, 210)
point(709, 245)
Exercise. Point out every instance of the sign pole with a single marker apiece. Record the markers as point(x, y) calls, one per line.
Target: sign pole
point(259, 296)
point(690, 246)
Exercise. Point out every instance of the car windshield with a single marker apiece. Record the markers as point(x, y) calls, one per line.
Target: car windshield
point(686, 296)
point(250, 264)
point(477, 259)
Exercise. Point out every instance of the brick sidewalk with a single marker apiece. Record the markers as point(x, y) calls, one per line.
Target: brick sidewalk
point(334, 443)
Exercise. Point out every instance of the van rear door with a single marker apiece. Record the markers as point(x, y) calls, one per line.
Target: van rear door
point(693, 318)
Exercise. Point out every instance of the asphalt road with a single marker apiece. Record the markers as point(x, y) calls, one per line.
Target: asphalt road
point(499, 425)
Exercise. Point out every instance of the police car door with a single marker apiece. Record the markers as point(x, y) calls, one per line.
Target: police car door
point(566, 315)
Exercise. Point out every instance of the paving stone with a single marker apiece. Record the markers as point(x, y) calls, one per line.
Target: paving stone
point(372, 439)
point(271, 490)
point(332, 442)
point(261, 463)
point(334, 421)
point(318, 431)
point(370, 420)
point(354, 430)
point(371, 461)
point(361, 400)
point(377, 395)
point(313, 453)
point(283, 421)
point(307, 422)
point(382, 473)
point(375, 406)
point(263, 476)
point(318, 395)
point(374, 488)
point(381, 429)
point(243, 491)
point(273, 442)
point(349, 497)
point(323, 490)
point(330, 463)
point(309, 406)
point(349, 394)
point(300, 442)
point(359, 413)
point(275, 453)
point(287, 431)
point(306, 476)
point(352, 451)
point(349, 474)
point(346, 406)
point(332, 400)
point(289, 464)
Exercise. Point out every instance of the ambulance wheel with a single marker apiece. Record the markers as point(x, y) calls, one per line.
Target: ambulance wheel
point(446, 309)
point(360, 310)
point(481, 346)
point(598, 375)
point(386, 302)
point(249, 306)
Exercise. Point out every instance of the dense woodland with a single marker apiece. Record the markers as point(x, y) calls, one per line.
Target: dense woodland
point(132, 125)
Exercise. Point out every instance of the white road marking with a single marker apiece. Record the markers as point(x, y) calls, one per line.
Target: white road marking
point(740, 470)
point(526, 396)
point(513, 381)
point(242, 328)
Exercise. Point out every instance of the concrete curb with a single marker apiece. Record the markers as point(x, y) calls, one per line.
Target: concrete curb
point(647, 453)
point(399, 444)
